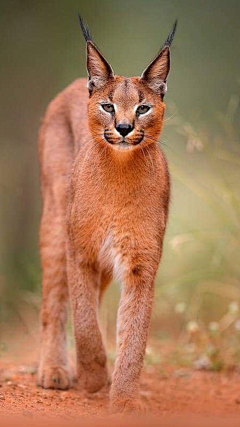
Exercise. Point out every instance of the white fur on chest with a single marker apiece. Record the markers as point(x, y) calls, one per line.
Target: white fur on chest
point(110, 258)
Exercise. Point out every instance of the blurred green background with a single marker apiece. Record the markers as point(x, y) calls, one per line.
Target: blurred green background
point(42, 51)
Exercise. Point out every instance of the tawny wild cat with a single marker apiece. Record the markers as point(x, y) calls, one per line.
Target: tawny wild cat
point(105, 189)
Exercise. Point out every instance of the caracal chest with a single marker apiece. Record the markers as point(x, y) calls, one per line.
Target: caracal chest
point(112, 224)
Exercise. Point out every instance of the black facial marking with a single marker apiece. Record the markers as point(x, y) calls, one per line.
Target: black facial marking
point(141, 97)
point(110, 95)
point(126, 85)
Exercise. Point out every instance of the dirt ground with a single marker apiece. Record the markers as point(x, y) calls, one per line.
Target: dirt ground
point(164, 391)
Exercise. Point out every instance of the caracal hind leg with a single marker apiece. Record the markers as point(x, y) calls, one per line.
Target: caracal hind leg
point(54, 371)
point(84, 284)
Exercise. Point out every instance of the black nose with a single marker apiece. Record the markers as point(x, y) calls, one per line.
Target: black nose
point(124, 129)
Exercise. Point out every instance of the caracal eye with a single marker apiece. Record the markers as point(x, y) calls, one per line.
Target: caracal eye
point(142, 109)
point(108, 107)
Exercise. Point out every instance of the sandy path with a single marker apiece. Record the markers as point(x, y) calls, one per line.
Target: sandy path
point(164, 392)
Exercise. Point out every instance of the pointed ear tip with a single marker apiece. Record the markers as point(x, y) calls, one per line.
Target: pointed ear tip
point(165, 51)
point(91, 45)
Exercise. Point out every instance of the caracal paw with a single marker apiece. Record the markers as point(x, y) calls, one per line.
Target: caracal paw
point(127, 406)
point(55, 377)
point(92, 380)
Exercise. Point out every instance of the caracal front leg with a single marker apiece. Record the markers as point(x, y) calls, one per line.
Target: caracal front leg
point(84, 283)
point(132, 332)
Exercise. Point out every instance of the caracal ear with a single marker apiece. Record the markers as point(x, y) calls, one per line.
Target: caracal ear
point(99, 70)
point(155, 75)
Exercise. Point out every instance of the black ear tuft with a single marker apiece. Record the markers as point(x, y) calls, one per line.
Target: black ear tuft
point(170, 37)
point(99, 70)
point(85, 30)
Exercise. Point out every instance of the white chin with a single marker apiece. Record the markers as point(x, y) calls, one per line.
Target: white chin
point(123, 146)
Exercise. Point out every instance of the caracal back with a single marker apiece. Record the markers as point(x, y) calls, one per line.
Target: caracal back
point(60, 136)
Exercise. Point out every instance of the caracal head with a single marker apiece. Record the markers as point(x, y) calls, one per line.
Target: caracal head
point(126, 113)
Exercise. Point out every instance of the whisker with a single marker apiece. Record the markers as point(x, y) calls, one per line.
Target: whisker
point(91, 148)
point(149, 154)
point(157, 140)
point(170, 117)
point(143, 152)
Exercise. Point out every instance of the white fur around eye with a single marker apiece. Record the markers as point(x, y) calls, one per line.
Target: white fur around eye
point(105, 102)
point(143, 114)
point(102, 109)
point(148, 112)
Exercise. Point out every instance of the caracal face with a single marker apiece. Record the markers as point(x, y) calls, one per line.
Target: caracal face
point(126, 115)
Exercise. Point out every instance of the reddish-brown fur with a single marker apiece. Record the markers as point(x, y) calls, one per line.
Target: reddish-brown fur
point(105, 208)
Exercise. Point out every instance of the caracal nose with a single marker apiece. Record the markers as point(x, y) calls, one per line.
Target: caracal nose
point(124, 128)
